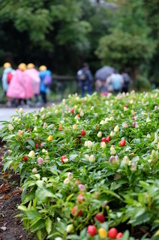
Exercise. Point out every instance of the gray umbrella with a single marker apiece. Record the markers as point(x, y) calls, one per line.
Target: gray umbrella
point(104, 72)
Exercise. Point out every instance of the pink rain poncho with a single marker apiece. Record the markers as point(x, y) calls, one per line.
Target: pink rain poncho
point(20, 86)
point(34, 75)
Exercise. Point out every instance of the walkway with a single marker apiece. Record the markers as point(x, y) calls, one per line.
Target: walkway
point(7, 113)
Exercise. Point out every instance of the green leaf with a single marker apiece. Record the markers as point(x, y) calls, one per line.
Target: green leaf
point(22, 208)
point(42, 193)
point(38, 225)
point(31, 142)
point(28, 197)
point(48, 224)
point(7, 164)
point(32, 214)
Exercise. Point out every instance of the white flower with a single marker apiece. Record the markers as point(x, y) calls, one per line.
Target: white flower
point(124, 125)
point(31, 154)
point(126, 160)
point(99, 134)
point(136, 125)
point(116, 129)
point(35, 129)
point(86, 156)
point(92, 158)
point(102, 122)
point(70, 175)
point(158, 145)
point(92, 108)
point(90, 144)
point(21, 110)
point(112, 150)
point(96, 114)
point(45, 125)
point(66, 181)
point(56, 111)
point(106, 120)
point(69, 228)
point(81, 114)
point(65, 160)
point(10, 127)
point(112, 134)
point(44, 151)
point(148, 136)
point(74, 127)
point(111, 118)
point(133, 167)
point(86, 143)
point(126, 109)
point(42, 109)
point(103, 145)
point(34, 170)
point(63, 101)
point(148, 120)
point(132, 112)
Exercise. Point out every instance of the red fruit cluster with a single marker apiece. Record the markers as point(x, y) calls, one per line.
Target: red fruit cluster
point(122, 143)
point(107, 139)
point(83, 133)
point(76, 212)
point(100, 217)
point(113, 234)
point(36, 145)
point(91, 230)
point(24, 158)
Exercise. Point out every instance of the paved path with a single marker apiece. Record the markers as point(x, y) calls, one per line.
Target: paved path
point(7, 113)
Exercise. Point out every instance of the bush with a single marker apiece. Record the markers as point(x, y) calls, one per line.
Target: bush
point(142, 83)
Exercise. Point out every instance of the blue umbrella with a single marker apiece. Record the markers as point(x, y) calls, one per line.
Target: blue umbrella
point(103, 73)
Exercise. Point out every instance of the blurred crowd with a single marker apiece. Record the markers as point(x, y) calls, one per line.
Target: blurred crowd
point(22, 85)
point(107, 80)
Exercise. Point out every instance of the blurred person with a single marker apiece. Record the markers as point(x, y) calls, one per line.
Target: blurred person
point(109, 84)
point(117, 82)
point(6, 79)
point(85, 79)
point(20, 87)
point(45, 77)
point(34, 75)
point(126, 82)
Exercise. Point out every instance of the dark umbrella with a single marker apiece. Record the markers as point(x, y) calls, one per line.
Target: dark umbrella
point(103, 73)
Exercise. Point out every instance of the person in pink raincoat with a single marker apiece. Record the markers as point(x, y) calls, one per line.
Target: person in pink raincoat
point(20, 87)
point(34, 74)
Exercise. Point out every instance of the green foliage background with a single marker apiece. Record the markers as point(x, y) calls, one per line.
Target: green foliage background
point(63, 34)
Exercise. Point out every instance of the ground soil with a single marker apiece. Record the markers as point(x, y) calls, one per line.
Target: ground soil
point(10, 196)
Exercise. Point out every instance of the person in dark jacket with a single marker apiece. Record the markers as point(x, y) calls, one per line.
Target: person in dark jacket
point(126, 82)
point(85, 79)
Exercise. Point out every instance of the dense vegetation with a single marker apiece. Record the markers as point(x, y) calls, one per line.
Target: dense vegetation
point(96, 155)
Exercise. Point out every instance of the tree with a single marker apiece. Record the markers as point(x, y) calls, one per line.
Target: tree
point(129, 44)
point(43, 30)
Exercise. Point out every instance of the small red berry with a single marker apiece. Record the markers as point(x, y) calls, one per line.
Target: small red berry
point(108, 139)
point(91, 230)
point(104, 140)
point(29, 130)
point(100, 217)
point(60, 128)
point(83, 133)
point(72, 110)
point(36, 145)
point(24, 158)
point(119, 235)
point(122, 143)
point(112, 233)
point(75, 211)
point(126, 105)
